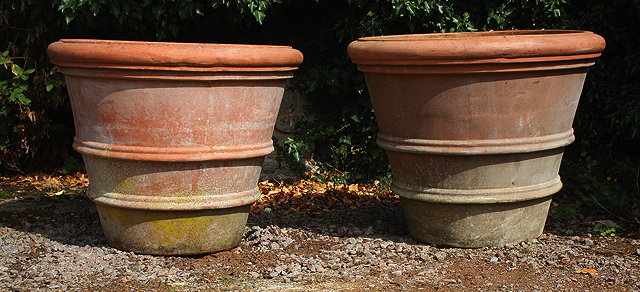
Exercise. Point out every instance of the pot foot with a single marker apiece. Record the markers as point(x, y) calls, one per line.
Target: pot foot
point(475, 225)
point(164, 232)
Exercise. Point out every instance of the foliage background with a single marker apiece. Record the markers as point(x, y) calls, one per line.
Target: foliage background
point(601, 169)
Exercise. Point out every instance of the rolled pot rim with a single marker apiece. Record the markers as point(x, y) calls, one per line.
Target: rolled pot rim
point(152, 43)
point(474, 34)
point(145, 55)
point(487, 47)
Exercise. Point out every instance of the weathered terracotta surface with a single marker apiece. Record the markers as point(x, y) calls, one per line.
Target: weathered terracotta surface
point(475, 124)
point(173, 136)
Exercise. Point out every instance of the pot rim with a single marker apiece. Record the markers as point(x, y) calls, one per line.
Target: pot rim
point(487, 47)
point(151, 43)
point(144, 55)
point(474, 34)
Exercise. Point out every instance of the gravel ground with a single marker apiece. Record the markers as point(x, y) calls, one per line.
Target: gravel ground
point(56, 243)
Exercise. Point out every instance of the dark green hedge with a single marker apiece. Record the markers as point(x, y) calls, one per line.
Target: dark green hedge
point(601, 168)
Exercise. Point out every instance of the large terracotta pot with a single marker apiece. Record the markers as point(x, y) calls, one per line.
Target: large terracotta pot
point(474, 125)
point(173, 136)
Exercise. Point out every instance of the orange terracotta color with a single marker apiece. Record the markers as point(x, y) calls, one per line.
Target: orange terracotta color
point(173, 136)
point(474, 125)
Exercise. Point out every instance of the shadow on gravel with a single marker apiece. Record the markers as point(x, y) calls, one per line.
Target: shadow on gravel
point(75, 221)
point(376, 220)
point(385, 221)
point(64, 219)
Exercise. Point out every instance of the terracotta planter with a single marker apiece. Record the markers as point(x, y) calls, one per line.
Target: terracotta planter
point(173, 136)
point(474, 125)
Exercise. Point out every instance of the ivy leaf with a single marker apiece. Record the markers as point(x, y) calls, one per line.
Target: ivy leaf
point(25, 74)
point(259, 15)
point(296, 155)
point(23, 99)
point(4, 58)
point(17, 94)
point(345, 140)
point(16, 70)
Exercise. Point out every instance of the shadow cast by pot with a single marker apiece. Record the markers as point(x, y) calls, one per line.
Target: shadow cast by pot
point(373, 220)
point(63, 219)
point(75, 221)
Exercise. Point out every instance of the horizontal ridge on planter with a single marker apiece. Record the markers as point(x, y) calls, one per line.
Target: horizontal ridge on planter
point(451, 68)
point(472, 147)
point(148, 153)
point(179, 201)
point(478, 196)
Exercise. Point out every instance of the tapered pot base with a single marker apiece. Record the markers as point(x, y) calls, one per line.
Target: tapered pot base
point(475, 225)
point(161, 232)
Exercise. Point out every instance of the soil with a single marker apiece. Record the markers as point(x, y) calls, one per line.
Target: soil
point(50, 239)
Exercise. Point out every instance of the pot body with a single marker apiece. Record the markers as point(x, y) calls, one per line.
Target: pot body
point(475, 135)
point(173, 147)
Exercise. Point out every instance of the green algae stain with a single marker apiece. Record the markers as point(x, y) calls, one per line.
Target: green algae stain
point(174, 232)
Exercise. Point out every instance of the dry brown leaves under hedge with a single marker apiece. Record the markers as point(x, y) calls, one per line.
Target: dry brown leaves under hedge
point(39, 184)
point(310, 196)
point(306, 195)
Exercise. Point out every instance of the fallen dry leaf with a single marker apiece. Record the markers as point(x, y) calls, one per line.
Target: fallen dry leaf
point(564, 261)
point(55, 194)
point(587, 271)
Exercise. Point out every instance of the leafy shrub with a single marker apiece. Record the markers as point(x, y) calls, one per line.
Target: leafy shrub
point(34, 112)
point(13, 86)
point(600, 169)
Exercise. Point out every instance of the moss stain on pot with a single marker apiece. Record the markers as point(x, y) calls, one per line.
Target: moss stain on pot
point(178, 232)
